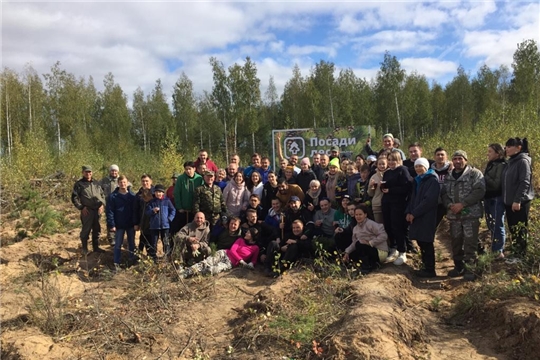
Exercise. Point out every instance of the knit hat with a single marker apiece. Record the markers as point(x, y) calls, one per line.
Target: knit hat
point(371, 158)
point(159, 187)
point(305, 161)
point(388, 135)
point(422, 161)
point(334, 162)
point(114, 167)
point(461, 153)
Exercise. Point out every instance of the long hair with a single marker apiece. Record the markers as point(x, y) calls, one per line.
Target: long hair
point(523, 142)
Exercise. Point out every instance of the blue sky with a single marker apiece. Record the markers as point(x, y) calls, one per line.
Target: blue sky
point(140, 42)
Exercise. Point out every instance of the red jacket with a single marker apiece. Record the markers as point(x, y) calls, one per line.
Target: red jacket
point(209, 165)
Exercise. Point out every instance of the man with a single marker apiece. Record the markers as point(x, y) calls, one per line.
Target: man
point(183, 194)
point(293, 160)
point(334, 152)
point(324, 219)
point(265, 169)
point(255, 165)
point(142, 220)
point(388, 144)
point(232, 169)
point(208, 199)
point(191, 242)
point(317, 168)
point(297, 211)
point(442, 168)
point(227, 236)
point(415, 152)
point(170, 189)
point(88, 197)
point(286, 191)
point(284, 252)
point(325, 160)
point(109, 184)
point(204, 159)
point(462, 194)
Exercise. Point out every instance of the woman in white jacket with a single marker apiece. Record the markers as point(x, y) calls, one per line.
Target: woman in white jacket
point(236, 195)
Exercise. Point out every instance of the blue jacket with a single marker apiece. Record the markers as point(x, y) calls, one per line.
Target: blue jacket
point(163, 218)
point(423, 206)
point(120, 210)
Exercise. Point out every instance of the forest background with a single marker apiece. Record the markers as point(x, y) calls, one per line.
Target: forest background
point(56, 123)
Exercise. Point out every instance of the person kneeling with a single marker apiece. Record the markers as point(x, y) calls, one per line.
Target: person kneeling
point(369, 244)
point(244, 252)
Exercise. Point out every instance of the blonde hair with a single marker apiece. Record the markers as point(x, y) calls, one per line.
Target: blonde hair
point(395, 156)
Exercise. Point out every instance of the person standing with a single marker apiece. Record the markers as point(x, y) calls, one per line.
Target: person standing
point(208, 199)
point(183, 193)
point(142, 221)
point(463, 191)
point(236, 195)
point(442, 168)
point(422, 214)
point(518, 192)
point(493, 201)
point(120, 219)
point(88, 197)
point(109, 184)
point(161, 212)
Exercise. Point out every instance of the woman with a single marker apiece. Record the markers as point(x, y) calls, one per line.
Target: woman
point(289, 174)
point(256, 185)
point(270, 190)
point(359, 161)
point(422, 214)
point(493, 201)
point(236, 195)
point(335, 182)
point(396, 188)
point(243, 252)
point(304, 177)
point(518, 192)
point(374, 190)
point(368, 242)
point(313, 195)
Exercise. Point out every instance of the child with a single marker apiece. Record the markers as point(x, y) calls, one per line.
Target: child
point(341, 216)
point(374, 190)
point(243, 252)
point(161, 212)
point(343, 236)
point(360, 187)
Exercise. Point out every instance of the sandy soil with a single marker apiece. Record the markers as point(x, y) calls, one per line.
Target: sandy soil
point(56, 304)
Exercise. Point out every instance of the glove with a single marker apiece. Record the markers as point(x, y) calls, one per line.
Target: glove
point(250, 266)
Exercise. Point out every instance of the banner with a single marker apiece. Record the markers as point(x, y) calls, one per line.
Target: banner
point(306, 142)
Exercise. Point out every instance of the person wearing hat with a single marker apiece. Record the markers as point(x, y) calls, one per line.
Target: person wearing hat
point(334, 152)
point(335, 182)
point(161, 212)
point(209, 200)
point(422, 214)
point(306, 175)
point(109, 184)
point(462, 195)
point(88, 197)
point(296, 211)
point(388, 144)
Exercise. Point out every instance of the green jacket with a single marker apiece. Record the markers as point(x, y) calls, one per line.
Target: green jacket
point(184, 190)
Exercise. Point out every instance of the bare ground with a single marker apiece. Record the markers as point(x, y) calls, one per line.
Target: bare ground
point(56, 304)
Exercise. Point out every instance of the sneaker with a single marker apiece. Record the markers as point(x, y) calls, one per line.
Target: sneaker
point(425, 273)
point(392, 255)
point(469, 276)
point(402, 259)
point(99, 250)
point(456, 272)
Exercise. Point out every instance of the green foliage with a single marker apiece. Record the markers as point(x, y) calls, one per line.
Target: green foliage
point(42, 219)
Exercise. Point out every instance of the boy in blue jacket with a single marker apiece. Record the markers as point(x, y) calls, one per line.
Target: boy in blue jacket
point(161, 212)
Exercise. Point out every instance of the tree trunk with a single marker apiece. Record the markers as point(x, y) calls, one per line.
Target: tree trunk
point(226, 137)
point(331, 104)
point(398, 118)
point(29, 107)
point(8, 127)
point(253, 140)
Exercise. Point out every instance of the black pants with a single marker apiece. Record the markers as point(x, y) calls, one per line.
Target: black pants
point(367, 255)
point(518, 221)
point(395, 225)
point(343, 240)
point(428, 255)
point(145, 242)
point(441, 213)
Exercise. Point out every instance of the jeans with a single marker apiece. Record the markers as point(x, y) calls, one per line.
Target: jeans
point(119, 239)
point(156, 233)
point(494, 208)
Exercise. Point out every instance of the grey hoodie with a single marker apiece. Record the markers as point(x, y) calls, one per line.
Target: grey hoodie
point(517, 182)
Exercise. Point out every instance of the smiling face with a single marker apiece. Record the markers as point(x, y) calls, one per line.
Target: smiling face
point(388, 142)
point(272, 179)
point(256, 161)
point(255, 178)
point(297, 228)
point(123, 184)
point(276, 205)
point(324, 160)
point(238, 178)
point(87, 175)
point(415, 152)
point(420, 169)
point(316, 159)
point(294, 159)
point(146, 182)
point(199, 219)
point(359, 215)
point(265, 164)
point(251, 217)
point(325, 205)
point(234, 225)
point(350, 170)
point(203, 156)
point(113, 173)
point(332, 170)
point(190, 171)
point(382, 164)
point(441, 158)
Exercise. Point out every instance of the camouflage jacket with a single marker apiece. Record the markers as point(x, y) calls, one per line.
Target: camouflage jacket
point(209, 200)
point(468, 189)
point(108, 184)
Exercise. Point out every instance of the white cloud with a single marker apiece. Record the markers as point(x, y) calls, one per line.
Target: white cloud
point(297, 50)
point(432, 68)
point(396, 41)
point(474, 15)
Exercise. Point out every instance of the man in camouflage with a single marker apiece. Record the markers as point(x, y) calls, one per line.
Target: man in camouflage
point(462, 194)
point(88, 197)
point(208, 199)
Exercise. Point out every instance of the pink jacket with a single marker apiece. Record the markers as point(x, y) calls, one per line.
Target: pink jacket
point(242, 251)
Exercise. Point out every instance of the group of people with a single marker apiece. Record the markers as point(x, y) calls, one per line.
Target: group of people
point(369, 210)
